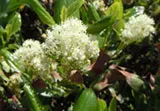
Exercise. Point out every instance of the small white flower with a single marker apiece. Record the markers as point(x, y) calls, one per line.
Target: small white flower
point(139, 10)
point(137, 28)
point(100, 5)
point(32, 57)
point(70, 43)
point(14, 83)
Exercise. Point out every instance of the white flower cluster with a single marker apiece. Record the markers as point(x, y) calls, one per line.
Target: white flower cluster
point(14, 83)
point(137, 28)
point(100, 5)
point(32, 57)
point(70, 43)
point(139, 10)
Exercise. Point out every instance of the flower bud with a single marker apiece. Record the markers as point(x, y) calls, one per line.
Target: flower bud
point(135, 82)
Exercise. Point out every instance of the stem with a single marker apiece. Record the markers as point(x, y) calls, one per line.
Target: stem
point(106, 41)
point(33, 99)
point(121, 47)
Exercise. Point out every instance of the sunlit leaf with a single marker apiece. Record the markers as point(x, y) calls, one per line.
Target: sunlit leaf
point(13, 25)
point(93, 12)
point(114, 13)
point(118, 26)
point(14, 4)
point(63, 15)
point(68, 5)
point(113, 105)
point(44, 16)
point(74, 7)
point(58, 5)
point(87, 101)
point(99, 26)
point(102, 106)
point(84, 15)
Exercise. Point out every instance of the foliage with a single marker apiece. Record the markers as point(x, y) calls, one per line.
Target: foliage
point(124, 77)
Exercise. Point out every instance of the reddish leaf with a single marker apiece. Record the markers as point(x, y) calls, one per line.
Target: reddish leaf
point(157, 45)
point(100, 64)
point(75, 76)
point(114, 74)
point(39, 83)
point(57, 76)
point(101, 85)
point(133, 80)
point(151, 81)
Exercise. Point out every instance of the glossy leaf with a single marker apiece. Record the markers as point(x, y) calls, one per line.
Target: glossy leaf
point(87, 101)
point(63, 15)
point(118, 26)
point(116, 10)
point(84, 15)
point(3, 5)
point(102, 106)
point(44, 16)
point(10, 59)
point(13, 25)
point(136, 82)
point(59, 6)
point(14, 4)
point(114, 13)
point(99, 26)
point(3, 76)
point(113, 105)
point(130, 12)
point(2, 41)
point(93, 12)
point(74, 7)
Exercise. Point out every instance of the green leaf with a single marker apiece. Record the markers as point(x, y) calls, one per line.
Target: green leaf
point(101, 41)
point(7, 6)
point(60, 89)
point(118, 26)
point(10, 59)
point(117, 0)
point(63, 14)
point(14, 4)
point(74, 7)
point(102, 106)
point(3, 76)
point(114, 13)
point(13, 25)
point(2, 92)
point(3, 6)
point(99, 26)
point(93, 12)
point(84, 15)
point(129, 12)
point(113, 105)
point(116, 10)
point(44, 16)
point(13, 46)
point(136, 82)
point(87, 101)
point(59, 11)
point(2, 41)
point(58, 5)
